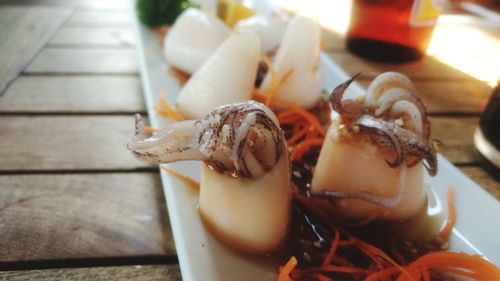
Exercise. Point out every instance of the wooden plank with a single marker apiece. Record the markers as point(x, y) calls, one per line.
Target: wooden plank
point(115, 273)
point(466, 96)
point(66, 143)
point(425, 69)
point(86, 36)
point(455, 134)
point(100, 18)
point(483, 179)
point(25, 30)
point(63, 216)
point(91, 61)
point(91, 142)
point(109, 94)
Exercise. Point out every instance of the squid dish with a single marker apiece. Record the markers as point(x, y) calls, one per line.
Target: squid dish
point(245, 194)
point(376, 147)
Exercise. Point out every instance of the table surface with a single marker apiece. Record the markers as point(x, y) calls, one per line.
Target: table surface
point(74, 203)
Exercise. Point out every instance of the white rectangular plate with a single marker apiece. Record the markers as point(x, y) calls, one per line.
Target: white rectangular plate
point(201, 257)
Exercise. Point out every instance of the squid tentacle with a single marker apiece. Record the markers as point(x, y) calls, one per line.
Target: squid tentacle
point(391, 93)
point(382, 135)
point(348, 109)
point(404, 142)
point(390, 88)
point(235, 138)
point(174, 143)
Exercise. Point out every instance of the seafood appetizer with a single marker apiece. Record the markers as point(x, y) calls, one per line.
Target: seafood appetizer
point(328, 186)
point(245, 192)
point(298, 58)
point(227, 76)
point(269, 28)
point(385, 137)
point(261, 192)
point(226, 67)
point(193, 38)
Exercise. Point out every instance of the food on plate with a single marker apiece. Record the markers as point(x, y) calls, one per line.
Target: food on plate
point(384, 137)
point(257, 194)
point(193, 38)
point(227, 76)
point(298, 55)
point(245, 192)
point(240, 62)
point(326, 247)
point(270, 29)
point(154, 13)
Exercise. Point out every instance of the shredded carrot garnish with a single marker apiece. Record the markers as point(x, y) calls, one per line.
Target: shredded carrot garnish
point(270, 67)
point(332, 250)
point(167, 111)
point(370, 249)
point(306, 128)
point(275, 86)
point(457, 263)
point(425, 273)
point(187, 180)
point(382, 274)
point(257, 96)
point(287, 269)
point(340, 260)
point(452, 215)
point(395, 253)
point(150, 130)
point(383, 267)
point(303, 147)
point(348, 242)
point(297, 136)
point(275, 81)
point(311, 118)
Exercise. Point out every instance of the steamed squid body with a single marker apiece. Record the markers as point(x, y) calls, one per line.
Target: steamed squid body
point(270, 29)
point(193, 38)
point(245, 193)
point(373, 156)
point(297, 60)
point(227, 76)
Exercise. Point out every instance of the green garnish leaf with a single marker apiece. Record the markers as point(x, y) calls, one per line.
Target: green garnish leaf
point(155, 13)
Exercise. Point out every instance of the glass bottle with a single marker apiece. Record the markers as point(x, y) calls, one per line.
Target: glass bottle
point(392, 30)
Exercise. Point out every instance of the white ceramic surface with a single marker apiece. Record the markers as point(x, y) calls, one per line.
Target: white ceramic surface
point(201, 257)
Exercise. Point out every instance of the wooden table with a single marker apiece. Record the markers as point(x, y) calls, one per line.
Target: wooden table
point(74, 203)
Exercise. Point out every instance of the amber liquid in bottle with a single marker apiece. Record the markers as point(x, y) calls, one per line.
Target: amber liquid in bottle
point(384, 30)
